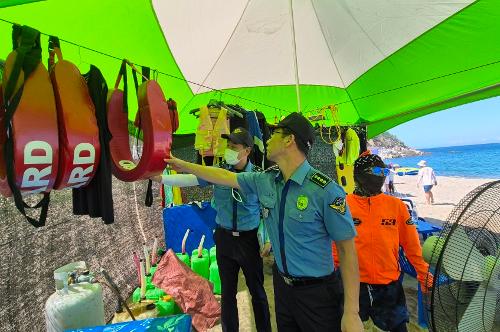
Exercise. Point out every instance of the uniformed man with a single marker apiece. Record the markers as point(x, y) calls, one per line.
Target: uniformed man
point(238, 219)
point(303, 211)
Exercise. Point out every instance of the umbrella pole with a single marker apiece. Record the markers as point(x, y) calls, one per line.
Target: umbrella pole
point(297, 87)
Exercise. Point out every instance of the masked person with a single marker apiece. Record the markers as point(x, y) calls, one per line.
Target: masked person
point(238, 219)
point(303, 211)
point(383, 224)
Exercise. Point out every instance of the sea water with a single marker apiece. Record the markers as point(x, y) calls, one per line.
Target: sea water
point(471, 161)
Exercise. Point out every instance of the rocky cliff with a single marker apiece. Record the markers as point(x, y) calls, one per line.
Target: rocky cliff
point(389, 146)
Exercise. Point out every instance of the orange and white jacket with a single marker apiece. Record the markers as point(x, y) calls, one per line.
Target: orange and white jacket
point(383, 223)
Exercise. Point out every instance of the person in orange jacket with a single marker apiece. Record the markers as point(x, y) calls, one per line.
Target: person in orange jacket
point(383, 224)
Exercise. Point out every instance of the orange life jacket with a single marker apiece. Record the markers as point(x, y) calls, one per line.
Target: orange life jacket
point(383, 224)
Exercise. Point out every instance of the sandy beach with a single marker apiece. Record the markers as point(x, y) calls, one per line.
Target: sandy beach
point(448, 192)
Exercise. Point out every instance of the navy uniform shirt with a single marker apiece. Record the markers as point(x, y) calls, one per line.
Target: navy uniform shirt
point(247, 212)
point(302, 216)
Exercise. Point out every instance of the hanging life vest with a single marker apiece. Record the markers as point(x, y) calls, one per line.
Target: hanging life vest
point(208, 141)
point(79, 145)
point(31, 149)
point(345, 161)
point(155, 124)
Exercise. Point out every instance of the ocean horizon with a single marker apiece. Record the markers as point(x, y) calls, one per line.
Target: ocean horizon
point(470, 161)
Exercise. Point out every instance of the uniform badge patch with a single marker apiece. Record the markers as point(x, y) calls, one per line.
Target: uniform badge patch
point(338, 205)
point(320, 179)
point(302, 202)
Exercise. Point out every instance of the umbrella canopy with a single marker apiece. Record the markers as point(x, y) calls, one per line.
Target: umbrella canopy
point(380, 62)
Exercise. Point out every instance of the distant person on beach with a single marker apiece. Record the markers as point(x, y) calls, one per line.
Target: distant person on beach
point(427, 178)
point(390, 180)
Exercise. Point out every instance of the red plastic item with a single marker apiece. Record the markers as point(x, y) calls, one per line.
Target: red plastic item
point(35, 133)
point(156, 127)
point(79, 145)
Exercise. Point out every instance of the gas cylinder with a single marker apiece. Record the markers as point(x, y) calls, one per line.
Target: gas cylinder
point(74, 305)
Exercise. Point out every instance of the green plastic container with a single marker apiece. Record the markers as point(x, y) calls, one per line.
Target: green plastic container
point(215, 277)
point(136, 296)
point(177, 309)
point(152, 270)
point(213, 255)
point(200, 264)
point(165, 308)
point(153, 294)
point(184, 258)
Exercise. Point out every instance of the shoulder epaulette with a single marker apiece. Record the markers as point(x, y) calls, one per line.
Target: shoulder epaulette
point(272, 168)
point(320, 179)
point(256, 168)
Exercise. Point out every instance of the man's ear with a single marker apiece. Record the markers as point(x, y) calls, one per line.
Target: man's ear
point(289, 139)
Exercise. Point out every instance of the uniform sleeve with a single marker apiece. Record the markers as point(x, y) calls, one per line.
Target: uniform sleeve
point(336, 214)
point(248, 181)
point(408, 238)
point(203, 183)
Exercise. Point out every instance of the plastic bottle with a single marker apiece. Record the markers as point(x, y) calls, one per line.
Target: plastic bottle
point(200, 264)
point(213, 255)
point(183, 256)
point(200, 260)
point(215, 277)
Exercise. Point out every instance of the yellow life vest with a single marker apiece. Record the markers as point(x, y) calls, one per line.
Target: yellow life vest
point(208, 139)
point(345, 161)
point(221, 127)
point(203, 139)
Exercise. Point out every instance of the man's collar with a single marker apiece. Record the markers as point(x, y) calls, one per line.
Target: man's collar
point(248, 167)
point(299, 175)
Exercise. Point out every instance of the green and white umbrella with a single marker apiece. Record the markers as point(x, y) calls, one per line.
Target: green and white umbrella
point(381, 62)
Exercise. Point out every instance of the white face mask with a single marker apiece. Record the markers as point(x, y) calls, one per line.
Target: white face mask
point(231, 157)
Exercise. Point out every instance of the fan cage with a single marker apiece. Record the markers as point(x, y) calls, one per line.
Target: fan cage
point(478, 215)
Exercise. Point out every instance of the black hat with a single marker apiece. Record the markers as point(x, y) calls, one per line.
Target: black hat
point(300, 127)
point(240, 136)
point(366, 160)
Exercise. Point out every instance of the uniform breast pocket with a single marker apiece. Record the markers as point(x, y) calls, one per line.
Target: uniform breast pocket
point(222, 196)
point(303, 222)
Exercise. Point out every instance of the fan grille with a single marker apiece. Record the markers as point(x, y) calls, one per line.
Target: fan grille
point(466, 291)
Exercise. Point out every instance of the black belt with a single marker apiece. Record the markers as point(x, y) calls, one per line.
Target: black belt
point(238, 233)
point(304, 281)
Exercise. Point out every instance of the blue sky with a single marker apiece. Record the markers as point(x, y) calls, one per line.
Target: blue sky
point(475, 123)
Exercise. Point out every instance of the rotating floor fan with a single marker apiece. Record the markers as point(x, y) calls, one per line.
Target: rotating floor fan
point(464, 259)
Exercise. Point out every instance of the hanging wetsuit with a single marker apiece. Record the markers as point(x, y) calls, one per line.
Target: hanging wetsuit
point(96, 199)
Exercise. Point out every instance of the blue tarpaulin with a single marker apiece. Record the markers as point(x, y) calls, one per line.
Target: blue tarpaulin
point(200, 221)
point(177, 323)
